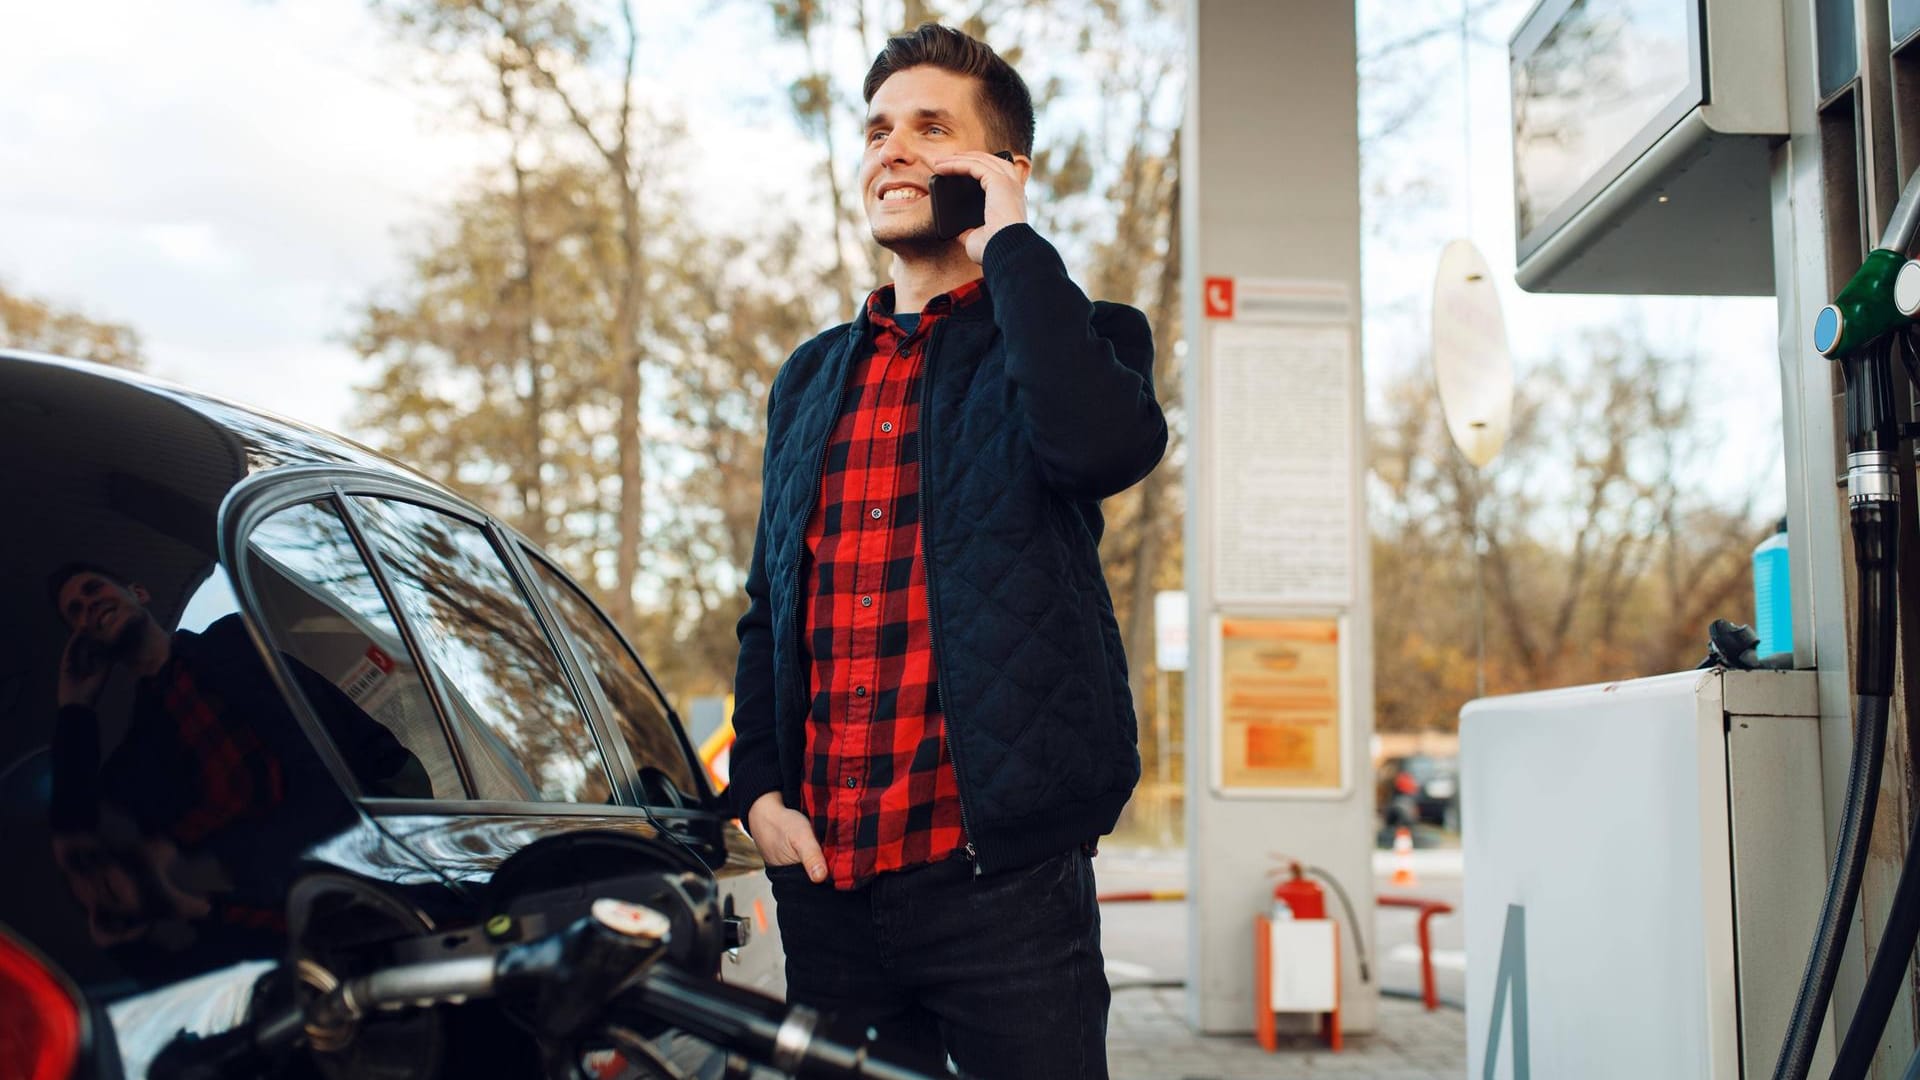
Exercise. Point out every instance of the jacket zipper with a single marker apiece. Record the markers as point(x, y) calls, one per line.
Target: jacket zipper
point(933, 629)
point(799, 557)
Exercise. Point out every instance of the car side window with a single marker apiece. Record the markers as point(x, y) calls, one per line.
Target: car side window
point(640, 716)
point(479, 631)
point(322, 609)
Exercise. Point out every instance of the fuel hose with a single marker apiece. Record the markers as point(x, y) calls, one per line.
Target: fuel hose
point(1843, 889)
point(1873, 498)
point(1891, 953)
point(1894, 947)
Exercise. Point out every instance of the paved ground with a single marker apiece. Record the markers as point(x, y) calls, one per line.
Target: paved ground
point(1145, 946)
point(1148, 1039)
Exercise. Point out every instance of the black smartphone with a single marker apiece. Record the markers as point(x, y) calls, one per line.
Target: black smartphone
point(84, 656)
point(959, 202)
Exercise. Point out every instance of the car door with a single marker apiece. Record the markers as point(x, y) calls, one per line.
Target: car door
point(436, 620)
point(529, 721)
point(644, 729)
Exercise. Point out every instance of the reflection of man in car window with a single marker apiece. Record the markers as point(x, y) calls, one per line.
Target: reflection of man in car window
point(196, 816)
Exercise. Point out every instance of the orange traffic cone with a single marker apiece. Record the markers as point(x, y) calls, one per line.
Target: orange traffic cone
point(1403, 859)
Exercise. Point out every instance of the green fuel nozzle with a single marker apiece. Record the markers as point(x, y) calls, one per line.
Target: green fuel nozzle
point(1864, 310)
point(1884, 294)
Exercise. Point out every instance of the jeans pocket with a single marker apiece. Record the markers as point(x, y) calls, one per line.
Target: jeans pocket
point(785, 879)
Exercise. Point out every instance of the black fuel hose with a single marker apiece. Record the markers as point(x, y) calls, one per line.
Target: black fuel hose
point(1843, 889)
point(1894, 947)
point(1890, 956)
point(1876, 534)
point(1893, 950)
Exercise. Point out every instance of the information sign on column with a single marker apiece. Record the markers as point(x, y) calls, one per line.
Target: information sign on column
point(1282, 454)
point(1280, 726)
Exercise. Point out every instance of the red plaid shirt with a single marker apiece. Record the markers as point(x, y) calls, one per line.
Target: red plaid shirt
point(238, 777)
point(880, 787)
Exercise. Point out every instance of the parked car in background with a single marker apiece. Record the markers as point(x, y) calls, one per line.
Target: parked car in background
point(267, 696)
point(1419, 789)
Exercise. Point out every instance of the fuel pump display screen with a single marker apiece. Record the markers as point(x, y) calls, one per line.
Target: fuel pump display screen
point(1595, 83)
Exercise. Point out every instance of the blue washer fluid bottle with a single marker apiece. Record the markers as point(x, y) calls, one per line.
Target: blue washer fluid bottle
point(1773, 594)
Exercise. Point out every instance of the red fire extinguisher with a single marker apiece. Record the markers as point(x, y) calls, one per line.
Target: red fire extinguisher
point(1297, 898)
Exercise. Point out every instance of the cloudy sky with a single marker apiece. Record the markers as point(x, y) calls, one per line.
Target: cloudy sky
point(232, 177)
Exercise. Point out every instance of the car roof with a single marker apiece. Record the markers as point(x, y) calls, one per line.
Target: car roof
point(128, 472)
point(265, 439)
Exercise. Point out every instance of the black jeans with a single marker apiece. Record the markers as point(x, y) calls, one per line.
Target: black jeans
point(1002, 972)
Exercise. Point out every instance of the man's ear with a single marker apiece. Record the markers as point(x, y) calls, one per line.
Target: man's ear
point(1025, 165)
point(139, 592)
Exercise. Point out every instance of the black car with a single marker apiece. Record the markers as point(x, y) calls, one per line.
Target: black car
point(1419, 789)
point(280, 718)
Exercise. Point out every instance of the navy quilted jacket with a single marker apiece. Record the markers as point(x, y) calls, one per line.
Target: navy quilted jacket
point(1036, 404)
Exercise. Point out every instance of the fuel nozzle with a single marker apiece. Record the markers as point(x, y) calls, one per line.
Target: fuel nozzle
point(1858, 329)
point(561, 983)
point(1866, 307)
point(1884, 294)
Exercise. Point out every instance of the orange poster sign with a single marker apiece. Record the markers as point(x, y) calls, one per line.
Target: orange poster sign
point(1280, 705)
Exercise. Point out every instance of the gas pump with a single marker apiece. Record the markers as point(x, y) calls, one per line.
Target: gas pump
point(1754, 151)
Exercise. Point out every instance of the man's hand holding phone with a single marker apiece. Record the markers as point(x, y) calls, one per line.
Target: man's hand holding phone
point(84, 667)
point(1003, 183)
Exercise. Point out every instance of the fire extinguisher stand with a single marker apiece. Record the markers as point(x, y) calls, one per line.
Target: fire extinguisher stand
point(1296, 961)
point(1283, 952)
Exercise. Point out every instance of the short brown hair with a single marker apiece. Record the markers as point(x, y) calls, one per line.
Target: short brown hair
point(1003, 94)
point(68, 571)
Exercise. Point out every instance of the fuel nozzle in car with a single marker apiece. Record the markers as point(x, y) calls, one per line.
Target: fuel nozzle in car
point(559, 985)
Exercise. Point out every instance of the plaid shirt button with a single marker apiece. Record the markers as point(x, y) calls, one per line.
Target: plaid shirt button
point(852, 783)
point(866, 601)
point(874, 513)
point(886, 425)
point(859, 691)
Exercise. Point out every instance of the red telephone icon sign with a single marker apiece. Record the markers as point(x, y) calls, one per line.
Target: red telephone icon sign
point(1217, 296)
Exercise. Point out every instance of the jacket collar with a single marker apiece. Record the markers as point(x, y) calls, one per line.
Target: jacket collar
point(970, 301)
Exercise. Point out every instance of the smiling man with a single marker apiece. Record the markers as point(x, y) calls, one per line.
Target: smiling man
point(933, 721)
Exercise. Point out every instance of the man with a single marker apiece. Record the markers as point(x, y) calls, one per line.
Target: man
point(933, 722)
point(185, 835)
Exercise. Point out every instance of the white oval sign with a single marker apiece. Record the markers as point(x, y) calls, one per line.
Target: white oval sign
point(1471, 364)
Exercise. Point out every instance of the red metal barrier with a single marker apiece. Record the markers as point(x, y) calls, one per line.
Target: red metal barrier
point(1428, 909)
point(1142, 896)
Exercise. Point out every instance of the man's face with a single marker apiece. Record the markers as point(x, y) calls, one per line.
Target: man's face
point(101, 609)
point(918, 117)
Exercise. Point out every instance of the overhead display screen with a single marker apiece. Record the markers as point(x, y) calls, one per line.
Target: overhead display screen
point(1595, 83)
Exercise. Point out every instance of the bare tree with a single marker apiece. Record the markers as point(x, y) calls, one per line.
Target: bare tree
point(553, 50)
point(1601, 561)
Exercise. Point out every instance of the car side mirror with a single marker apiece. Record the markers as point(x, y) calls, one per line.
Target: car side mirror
point(658, 789)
